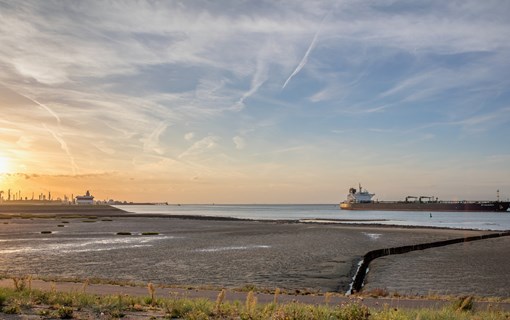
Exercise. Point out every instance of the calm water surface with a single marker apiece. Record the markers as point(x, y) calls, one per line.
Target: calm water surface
point(462, 220)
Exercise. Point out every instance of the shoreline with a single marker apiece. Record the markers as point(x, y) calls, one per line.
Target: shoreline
point(66, 210)
point(195, 248)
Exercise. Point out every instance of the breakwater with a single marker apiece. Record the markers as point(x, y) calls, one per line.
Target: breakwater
point(359, 277)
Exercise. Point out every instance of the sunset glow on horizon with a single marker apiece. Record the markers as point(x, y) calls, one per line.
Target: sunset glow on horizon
point(266, 102)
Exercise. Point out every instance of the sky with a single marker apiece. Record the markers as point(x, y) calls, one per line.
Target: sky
point(255, 101)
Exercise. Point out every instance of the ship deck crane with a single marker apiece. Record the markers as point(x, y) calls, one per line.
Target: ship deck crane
point(411, 197)
point(426, 197)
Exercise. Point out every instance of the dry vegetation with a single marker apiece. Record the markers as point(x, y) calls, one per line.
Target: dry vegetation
point(23, 300)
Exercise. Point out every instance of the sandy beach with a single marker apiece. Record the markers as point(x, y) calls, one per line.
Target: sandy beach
point(222, 253)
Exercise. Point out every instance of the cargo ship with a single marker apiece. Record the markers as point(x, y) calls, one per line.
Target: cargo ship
point(362, 200)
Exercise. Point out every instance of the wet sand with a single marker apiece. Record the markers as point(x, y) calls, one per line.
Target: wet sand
point(218, 253)
point(481, 268)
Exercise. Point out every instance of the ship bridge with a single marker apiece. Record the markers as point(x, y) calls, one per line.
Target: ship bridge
point(361, 196)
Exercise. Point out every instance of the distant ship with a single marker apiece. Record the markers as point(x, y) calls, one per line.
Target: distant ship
point(362, 200)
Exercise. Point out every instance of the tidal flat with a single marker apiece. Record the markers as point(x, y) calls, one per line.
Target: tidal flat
point(215, 253)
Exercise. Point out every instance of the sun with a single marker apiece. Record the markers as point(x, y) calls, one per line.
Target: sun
point(4, 165)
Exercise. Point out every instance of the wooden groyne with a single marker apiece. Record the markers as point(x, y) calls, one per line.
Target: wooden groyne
point(359, 277)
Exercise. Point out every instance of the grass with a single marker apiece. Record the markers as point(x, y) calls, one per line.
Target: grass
point(81, 305)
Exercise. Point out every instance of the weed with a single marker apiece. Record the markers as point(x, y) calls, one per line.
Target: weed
point(64, 312)
point(85, 285)
point(22, 283)
point(464, 304)
point(276, 294)
point(3, 299)
point(327, 297)
point(251, 303)
point(44, 313)
point(219, 301)
point(152, 292)
point(248, 288)
point(354, 311)
point(178, 308)
point(12, 309)
point(378, 292)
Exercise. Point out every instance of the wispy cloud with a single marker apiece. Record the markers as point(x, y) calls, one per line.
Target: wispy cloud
point(151, 142)
point(239, 142)
point(189, 136)
point(258, 79)
point(199, 148)
point(482, 122)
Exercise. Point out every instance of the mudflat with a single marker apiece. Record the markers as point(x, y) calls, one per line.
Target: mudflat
point(7, 209)
point(200, 252)
point(480, 268)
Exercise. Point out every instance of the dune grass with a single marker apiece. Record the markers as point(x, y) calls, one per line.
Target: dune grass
point(23, 300)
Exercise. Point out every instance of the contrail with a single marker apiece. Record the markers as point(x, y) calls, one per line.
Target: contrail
point(305, 57)
point(35, 101)
point(46, 108)
point(42, 106)
point(64, 147)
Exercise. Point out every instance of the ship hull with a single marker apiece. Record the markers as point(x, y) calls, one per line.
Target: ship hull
point(491, 206)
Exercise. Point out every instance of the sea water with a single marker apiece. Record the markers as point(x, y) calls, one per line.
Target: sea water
point(332, 213)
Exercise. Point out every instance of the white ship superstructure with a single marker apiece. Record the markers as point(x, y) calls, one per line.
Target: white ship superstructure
point(363, 196)
point(87, 199)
